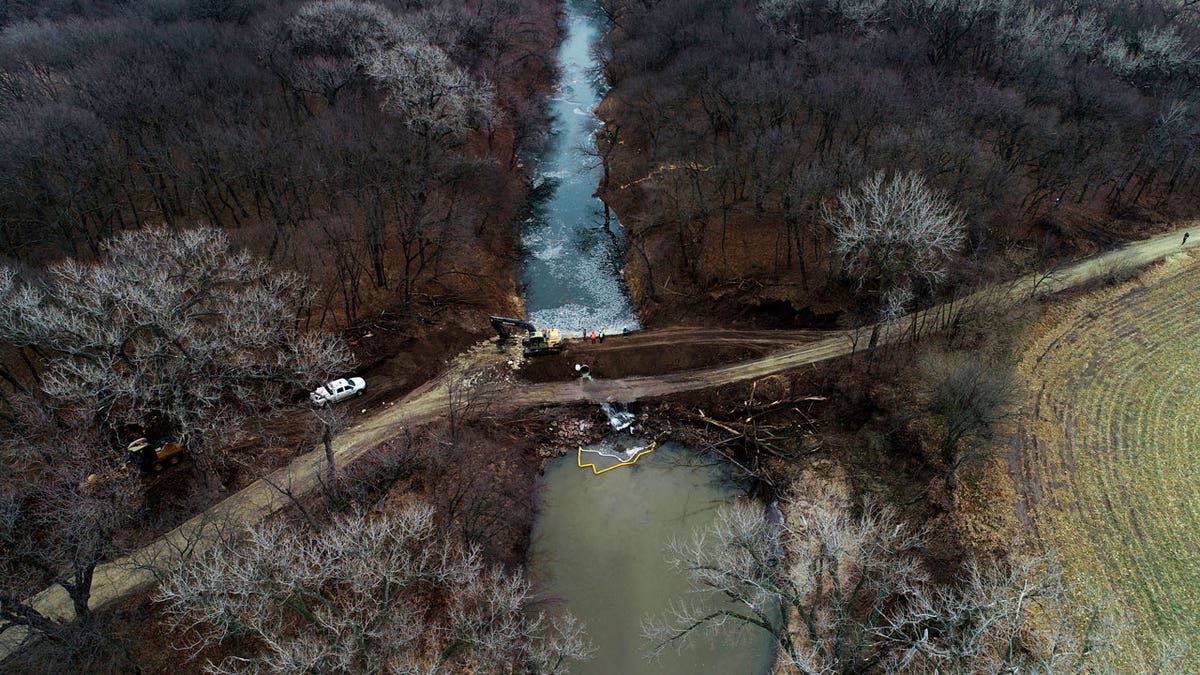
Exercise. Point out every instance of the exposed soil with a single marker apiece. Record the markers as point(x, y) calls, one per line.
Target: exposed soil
point(655, 352)
point(482, 380)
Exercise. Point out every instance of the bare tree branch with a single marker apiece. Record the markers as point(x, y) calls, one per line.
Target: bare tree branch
point(386, 593)
point(174, 328)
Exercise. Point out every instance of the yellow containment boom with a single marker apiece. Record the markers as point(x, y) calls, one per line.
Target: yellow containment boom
point(632, 460)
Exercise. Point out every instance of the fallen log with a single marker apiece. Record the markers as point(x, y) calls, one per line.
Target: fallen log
point(742, 434)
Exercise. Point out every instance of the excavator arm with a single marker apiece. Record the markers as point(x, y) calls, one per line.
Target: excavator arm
point(503, 324)
point(547, 341)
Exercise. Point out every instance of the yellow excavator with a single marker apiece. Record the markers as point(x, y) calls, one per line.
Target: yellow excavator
point(154, 457)
point(536, 342)
point(143, 455)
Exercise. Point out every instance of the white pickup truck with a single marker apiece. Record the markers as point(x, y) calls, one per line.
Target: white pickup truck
point(338, 390)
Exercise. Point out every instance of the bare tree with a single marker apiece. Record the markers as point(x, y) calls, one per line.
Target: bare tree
point(171, 329)
point(823, 587)
point(788, 15)
point(951, 25)
point(385, 593)
point(56, 529)
point(327, 422)
point(370, 479)
point(412, 207)
point(344, 28)
point(893, 234)
point(428, 92)
point(844, 593)
point(1153, 54)
point(323, 46)
point(469, 397)
point(1027, 34)
point(1010, 617)
point(968, 396)
point(488, 509)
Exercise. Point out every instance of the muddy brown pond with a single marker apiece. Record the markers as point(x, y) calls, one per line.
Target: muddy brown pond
point(599, 550)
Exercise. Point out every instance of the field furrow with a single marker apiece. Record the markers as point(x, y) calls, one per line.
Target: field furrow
point(1110, 450)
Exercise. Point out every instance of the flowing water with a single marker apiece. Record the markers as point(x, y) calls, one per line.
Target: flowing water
point(599, 547)
point(574, 255)
point(599, 543)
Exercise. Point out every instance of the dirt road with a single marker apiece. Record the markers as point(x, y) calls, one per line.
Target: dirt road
point(795, 348)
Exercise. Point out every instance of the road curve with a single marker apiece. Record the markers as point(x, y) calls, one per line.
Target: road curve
point(796, 348)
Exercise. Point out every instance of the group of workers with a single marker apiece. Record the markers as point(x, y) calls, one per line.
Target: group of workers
point(598, 336)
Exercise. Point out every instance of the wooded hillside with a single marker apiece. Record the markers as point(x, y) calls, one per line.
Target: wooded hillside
point(732, 127)
point(349, 141)
point(197, 198)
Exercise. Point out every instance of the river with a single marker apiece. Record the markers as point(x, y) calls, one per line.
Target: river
point(599, 543)
point(572, 277)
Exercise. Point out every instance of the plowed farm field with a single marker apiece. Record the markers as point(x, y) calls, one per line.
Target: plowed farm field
point(1108, 463)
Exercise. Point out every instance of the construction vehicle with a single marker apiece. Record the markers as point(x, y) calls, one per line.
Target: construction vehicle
point(141, 455)
point(536, 342)
point(154, 457)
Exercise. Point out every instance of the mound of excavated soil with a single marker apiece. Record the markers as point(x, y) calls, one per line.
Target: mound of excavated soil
point(663, 350)
point(616, 358)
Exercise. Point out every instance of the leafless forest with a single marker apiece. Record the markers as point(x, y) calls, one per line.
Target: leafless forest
point(349, 142)
point(196, 198)
point(204, 202)
point(732, 126)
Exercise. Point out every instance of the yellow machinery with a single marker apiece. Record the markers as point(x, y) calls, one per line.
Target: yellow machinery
point(545, 341)
point(154, 456)
point(142, 455)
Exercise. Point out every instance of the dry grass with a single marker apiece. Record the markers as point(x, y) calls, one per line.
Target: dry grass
point(1108, 454)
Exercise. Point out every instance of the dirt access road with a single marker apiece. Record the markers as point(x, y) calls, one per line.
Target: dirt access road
point(463, 381)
